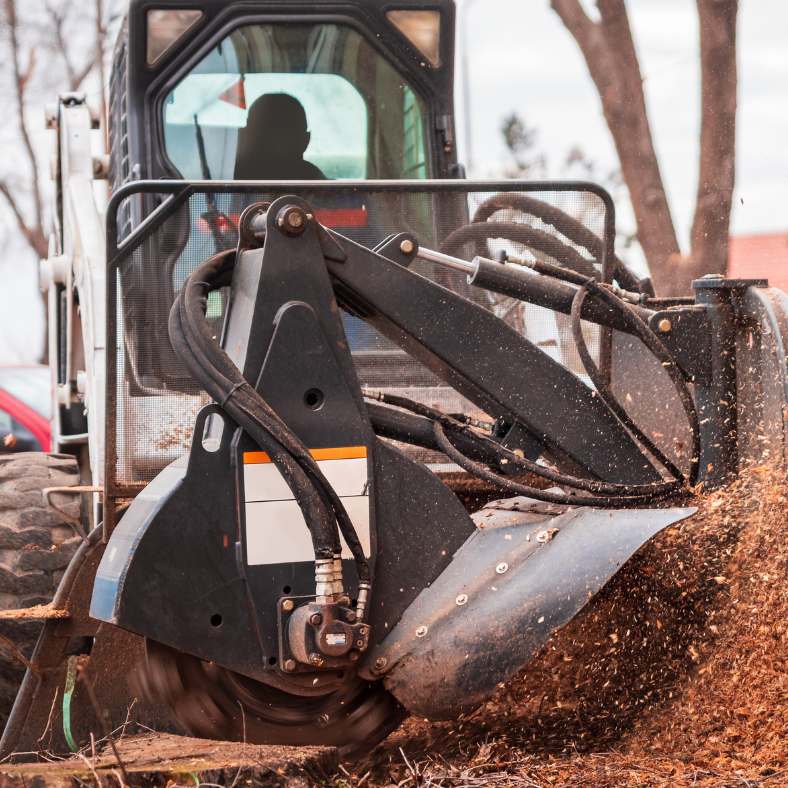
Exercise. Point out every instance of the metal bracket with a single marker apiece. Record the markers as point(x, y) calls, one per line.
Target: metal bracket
point(74, 522)
point(686, 333)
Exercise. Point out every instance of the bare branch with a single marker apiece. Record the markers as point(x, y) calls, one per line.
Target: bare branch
point(20, 83)
point(75, 75)
point(33, 235)
point(79, 76)
point(716, 176)
point(575, 20)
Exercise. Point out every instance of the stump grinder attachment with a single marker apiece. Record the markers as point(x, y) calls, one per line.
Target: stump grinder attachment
point(300, 576)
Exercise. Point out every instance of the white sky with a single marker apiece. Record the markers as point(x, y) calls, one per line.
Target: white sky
point(523, 60)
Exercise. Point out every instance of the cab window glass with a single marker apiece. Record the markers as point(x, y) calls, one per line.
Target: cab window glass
point(295, 101)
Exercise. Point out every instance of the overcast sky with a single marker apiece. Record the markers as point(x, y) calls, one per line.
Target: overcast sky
point(522, 59)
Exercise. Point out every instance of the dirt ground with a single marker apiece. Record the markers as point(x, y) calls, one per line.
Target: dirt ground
point(676, 674)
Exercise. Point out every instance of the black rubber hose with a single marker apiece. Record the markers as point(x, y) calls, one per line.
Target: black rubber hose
point(567, 225)
point(642, 330)
point(271, 421)
point(316, 514)
point(604, 391)
point(476, 446)
point(417, 431)
point(258, 407)
point(482, 472)
point(192, 337)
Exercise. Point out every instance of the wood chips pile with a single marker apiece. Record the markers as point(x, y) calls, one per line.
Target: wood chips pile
point(676, 674)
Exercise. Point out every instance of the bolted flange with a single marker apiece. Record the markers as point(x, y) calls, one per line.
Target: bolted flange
point(292, 220)
point(380, 663)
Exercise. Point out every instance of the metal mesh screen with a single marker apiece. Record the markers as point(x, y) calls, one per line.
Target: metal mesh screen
point(152, 401)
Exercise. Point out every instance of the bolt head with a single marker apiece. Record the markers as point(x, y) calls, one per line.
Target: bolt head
point(289, 665)
point(665, 325)
point(421, 631)
point(407, 246)
point(461, 599)
point(363, 631)
point(316, 619)
point(287, 605)
point(380, 663)
point(502, 568)
point(351, 616)
point(291, 220)
point(316, 660)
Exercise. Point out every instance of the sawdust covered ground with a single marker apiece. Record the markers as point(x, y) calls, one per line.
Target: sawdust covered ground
point(675, 675)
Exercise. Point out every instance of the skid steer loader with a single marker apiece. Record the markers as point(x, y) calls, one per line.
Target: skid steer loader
point(355, 435)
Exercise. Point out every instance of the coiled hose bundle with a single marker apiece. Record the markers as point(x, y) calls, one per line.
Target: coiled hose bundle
point(194, 343)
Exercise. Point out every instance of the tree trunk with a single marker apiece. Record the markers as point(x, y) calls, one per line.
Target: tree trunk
point(609, 52)
point(716, 177)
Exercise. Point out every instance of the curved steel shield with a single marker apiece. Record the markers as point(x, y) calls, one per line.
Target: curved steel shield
point(527, 570)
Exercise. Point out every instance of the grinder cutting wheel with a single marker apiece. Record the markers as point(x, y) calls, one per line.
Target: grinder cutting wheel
point(351, 449)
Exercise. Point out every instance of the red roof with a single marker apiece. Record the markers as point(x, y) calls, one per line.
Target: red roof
point(760, 257)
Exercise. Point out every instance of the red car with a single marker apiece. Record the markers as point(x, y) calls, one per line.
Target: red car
point(24, 409)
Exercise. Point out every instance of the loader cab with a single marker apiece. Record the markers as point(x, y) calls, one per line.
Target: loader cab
point(251, 91)
point(374, 79)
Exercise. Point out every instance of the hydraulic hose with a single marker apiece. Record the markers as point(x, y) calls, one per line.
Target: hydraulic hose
point(642, 331)
point(564, 223)
point(574, 270)
point(482, 472)
point(519, 233)
point(193, 341)
point(618, 494)
point(486, 449)
point(605, 392)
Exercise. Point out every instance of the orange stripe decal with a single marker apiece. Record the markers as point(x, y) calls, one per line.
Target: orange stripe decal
point(335, 453)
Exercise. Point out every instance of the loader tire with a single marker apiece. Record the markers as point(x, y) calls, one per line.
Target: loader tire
point(36, 545)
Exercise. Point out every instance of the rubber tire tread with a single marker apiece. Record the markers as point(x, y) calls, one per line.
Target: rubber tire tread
point(36, 545)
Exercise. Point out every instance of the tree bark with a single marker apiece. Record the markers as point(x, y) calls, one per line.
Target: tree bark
point(717, 171)
point(609, 51)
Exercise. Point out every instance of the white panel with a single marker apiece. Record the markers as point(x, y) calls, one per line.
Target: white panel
point(276, 531)
point(263, 482)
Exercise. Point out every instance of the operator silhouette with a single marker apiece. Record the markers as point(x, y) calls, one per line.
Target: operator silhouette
point(272, 145)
